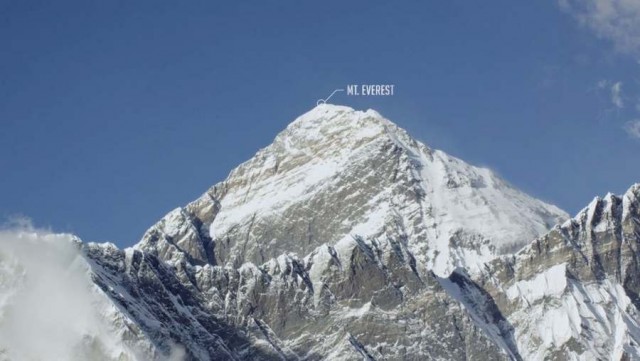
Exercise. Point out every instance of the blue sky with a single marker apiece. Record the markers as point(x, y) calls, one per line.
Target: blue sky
point(114, 113)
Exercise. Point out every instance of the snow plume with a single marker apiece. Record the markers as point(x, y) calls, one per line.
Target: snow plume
point(49, 308)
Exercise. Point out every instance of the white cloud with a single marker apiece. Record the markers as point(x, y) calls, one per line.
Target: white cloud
point(49, 308)
point(614, 90)
point(615, 20)
point(632, 128)
point(616, 95)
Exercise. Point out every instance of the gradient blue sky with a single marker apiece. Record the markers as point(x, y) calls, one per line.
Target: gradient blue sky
point(113, 113)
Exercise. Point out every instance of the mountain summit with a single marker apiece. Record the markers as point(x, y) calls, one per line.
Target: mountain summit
point(336, 173)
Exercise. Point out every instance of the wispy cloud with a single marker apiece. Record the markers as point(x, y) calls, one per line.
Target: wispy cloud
point(614, 91)
point(602, 84)
point(616, 95)
point(615, 20)
point(632, 128)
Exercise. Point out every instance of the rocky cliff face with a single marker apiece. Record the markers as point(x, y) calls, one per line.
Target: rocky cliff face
point(347, 239)
point(573, 293)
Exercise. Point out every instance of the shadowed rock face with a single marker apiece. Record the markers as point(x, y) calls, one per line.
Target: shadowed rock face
point(347, 239)
point(372, 303)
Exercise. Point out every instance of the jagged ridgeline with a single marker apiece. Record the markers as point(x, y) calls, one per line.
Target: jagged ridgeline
point(347, 239)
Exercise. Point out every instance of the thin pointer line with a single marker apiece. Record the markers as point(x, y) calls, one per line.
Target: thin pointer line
point(324, 101)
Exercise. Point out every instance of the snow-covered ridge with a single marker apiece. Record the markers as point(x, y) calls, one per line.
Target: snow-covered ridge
point(533, 305)
point(572, 294)
point(370, 296)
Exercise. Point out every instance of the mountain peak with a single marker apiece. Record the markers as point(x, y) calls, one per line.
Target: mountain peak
point(331, 111)
point(329, 119)
point(336, 173)
point(335, 131)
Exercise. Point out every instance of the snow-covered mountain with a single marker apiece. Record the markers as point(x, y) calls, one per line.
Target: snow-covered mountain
point(347, 239)
point(335, 173)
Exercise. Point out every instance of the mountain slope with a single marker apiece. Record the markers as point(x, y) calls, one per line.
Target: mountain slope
point(335, 172)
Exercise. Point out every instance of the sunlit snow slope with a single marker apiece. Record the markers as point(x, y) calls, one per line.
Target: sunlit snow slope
point(335, 173)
